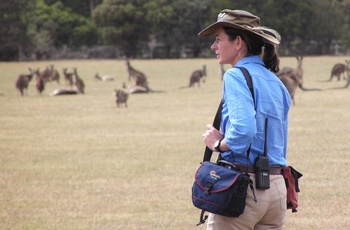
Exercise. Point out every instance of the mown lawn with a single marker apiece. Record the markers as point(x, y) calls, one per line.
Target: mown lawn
point(79, 162)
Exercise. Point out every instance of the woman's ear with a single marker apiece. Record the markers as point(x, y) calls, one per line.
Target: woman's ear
point(239, 41)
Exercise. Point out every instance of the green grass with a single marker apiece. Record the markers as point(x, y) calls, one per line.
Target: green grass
point(79, 162)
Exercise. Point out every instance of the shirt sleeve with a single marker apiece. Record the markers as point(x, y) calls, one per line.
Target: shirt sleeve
point(239, 124)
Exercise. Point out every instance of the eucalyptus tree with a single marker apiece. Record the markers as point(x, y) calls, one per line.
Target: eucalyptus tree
point(13, 36)
point(329, 25)
point(171, 24)
point(122, 23)
point(192, 17)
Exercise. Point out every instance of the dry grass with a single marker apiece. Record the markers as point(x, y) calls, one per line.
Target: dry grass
point(78, 162)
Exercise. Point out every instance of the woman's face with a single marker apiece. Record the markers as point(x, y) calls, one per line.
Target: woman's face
point(225, 49)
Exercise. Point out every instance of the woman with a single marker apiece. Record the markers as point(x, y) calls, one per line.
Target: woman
point(241, 42)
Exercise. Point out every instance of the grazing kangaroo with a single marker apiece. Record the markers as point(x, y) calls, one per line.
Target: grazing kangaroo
point(121, 97)
point(68, 77)
point(197, 75)
point(78, 82)
point(23, 80)
point(340, 69)
point(139, 77)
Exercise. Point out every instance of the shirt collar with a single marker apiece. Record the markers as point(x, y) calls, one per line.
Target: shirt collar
point(249, 60)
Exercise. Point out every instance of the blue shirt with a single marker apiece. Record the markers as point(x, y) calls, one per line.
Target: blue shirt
point(243, 124)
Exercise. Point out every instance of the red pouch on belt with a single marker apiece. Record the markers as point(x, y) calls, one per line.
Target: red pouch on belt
point(291, 177)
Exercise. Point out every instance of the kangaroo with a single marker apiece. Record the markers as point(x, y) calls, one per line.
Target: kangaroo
point(23, 80)
point(97, 77)
point(139, 77)
point(63, 91)
point(68, 77)
point(78, 82)
point(300, 71)
point(46, 75)
point(348, 74)
point(197, 75)
point(121, 97)
point(292, 78)
point(339, 69)
point(347, 84)
point(54, 74)
point(103, 78)
point(297, 73)
point(290, 81)
point(40, 83)
point(136, 89)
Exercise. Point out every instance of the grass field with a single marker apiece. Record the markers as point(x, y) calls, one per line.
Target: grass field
point(79, 162)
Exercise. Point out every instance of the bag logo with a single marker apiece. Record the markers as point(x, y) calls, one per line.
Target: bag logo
point(213, 175)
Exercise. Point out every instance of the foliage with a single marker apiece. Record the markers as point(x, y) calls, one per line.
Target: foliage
point(163, 28)
point(12, 29)
point(121, 23)
point(62, 25)
point(193, 21)
point(83, 8)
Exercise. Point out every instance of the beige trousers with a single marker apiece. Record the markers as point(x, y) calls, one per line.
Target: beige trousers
point(268, 213)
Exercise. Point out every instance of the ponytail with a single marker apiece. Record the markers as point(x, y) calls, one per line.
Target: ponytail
point(270, 58)
point(256, 46)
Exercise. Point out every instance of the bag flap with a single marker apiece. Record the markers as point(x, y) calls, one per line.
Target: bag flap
point(220, 177)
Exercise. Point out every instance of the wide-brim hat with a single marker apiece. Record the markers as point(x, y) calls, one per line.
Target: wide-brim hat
point(241, 20)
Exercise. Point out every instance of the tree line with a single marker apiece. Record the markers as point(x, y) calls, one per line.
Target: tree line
point(63, 29)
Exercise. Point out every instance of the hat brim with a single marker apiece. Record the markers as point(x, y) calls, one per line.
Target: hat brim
point(211, 30)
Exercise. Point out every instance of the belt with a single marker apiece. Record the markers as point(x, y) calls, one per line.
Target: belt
point(274, 170)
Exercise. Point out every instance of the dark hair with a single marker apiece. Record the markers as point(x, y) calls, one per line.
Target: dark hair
point(255, 46)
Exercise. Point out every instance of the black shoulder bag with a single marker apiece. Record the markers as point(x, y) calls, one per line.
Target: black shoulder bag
point(221, 188)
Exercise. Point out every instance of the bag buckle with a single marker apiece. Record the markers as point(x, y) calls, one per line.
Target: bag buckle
point(208, 187)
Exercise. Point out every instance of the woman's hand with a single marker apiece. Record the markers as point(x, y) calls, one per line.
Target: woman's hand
point(211, 136)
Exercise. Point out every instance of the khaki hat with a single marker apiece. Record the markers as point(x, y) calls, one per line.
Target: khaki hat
point(242, 20)
point(269, 31)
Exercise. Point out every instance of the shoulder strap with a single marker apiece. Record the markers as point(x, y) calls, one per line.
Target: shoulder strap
point(248, 79)
point(208, 152)
point(265, 142)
